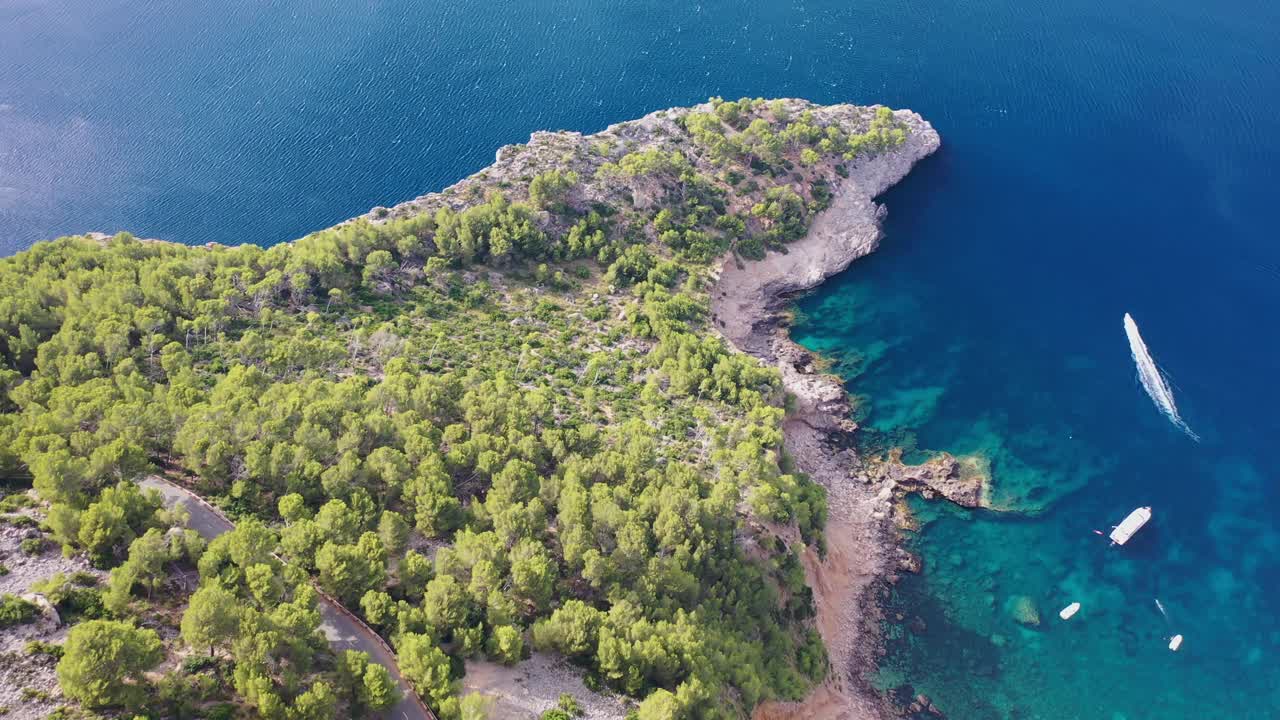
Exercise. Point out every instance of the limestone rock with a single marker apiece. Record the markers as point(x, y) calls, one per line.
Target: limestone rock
point(964, 481)
point(47, 611)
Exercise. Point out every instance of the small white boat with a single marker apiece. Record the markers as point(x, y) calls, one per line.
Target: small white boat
point(1175, 642)
point(1069, 610)
point(1121, 533)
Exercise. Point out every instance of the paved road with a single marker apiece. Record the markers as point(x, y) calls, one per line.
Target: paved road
point(343, 631)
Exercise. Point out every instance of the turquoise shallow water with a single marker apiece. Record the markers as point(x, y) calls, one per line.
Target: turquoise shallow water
point(1100, 158)
point(1070, 436)
point(990, 322)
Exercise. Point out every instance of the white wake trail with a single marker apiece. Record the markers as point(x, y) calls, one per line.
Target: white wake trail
point(1152, 380)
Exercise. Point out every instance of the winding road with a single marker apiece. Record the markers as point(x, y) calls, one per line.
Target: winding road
point(344, 630)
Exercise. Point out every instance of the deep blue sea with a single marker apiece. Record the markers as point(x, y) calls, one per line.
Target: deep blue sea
point(1100, 157)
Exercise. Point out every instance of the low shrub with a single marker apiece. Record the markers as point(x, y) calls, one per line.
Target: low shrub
point(15, 611)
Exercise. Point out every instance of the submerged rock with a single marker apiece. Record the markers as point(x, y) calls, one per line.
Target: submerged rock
point(910, 562)
point(922, 704)
point(1023, 609)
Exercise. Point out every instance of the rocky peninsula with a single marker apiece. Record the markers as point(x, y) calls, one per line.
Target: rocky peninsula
point(542, 429)
point(748, 301)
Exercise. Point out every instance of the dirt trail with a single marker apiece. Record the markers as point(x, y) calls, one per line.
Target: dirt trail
point(344, 630)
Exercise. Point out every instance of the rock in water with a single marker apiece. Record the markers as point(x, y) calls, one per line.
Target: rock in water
point(964, 481)
point(1024, 610)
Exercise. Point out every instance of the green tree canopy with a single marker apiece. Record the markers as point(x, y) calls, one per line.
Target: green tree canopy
point(212, 618)
point(103, 662)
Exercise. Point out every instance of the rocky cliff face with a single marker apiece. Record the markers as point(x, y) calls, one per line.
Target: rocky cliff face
point(747, 301)
point(751, 293)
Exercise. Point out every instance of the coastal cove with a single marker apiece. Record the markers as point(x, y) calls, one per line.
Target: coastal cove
point(989, 323)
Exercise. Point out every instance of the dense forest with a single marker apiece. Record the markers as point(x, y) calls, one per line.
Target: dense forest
point(494, 420)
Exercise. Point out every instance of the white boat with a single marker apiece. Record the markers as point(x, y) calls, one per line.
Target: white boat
point(1154, 381)
point(1175, 642)
point(1121, 533)
point(1069, 610)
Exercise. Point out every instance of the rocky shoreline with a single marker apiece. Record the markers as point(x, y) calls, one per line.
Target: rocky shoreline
point(748, 303)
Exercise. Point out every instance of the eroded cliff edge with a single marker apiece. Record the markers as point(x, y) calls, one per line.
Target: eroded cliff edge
point(748, 300)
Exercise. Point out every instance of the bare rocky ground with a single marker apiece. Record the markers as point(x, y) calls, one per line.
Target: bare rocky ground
point(28, 684)
point(525, 691)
